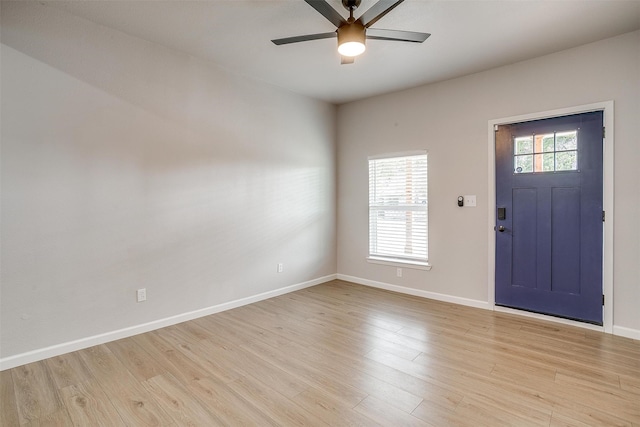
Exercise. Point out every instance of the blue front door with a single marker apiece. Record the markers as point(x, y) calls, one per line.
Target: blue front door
point(549, 216)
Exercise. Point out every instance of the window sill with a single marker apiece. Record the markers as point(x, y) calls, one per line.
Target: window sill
point(400, 263)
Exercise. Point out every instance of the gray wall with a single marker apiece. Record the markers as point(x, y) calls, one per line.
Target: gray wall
point(128, 165)
point(450, 120)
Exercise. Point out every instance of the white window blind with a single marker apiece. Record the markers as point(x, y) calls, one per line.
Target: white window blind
point(398, 220)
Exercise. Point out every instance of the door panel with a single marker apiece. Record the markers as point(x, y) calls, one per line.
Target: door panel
point(565, 240)
point(549, 244)
point(524, 251)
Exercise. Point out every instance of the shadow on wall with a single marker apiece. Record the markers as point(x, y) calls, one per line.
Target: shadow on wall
point(128, 165)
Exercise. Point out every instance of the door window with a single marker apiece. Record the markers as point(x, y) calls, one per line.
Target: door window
point(551, 152)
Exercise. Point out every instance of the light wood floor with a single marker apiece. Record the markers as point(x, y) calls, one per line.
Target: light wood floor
point(338, 354)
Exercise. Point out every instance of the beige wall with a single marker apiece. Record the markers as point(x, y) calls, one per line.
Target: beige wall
point(128, 165)
point(450, 120)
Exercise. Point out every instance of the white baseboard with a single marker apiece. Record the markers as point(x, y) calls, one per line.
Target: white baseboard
point(626, 332)
point(58, 349)
point(416, 292)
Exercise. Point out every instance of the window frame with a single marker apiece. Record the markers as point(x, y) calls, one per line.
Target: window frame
point(390, 259)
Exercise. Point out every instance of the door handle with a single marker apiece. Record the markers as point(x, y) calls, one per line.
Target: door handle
point(501, 229)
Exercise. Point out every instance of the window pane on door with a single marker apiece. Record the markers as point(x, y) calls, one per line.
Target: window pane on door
point(551, 152)
point(524, 145)
point(567, 161)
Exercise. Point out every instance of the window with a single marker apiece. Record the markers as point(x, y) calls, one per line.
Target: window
point(398, 220)
point(553, 152)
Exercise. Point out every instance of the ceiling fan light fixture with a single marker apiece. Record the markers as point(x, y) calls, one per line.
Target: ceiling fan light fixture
point(351, 32)
point(351, 49)
point(351, 39)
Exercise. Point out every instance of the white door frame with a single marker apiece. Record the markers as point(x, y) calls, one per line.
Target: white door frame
point(607, 260)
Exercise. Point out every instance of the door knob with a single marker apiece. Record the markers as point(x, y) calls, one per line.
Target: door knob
point(501, 229)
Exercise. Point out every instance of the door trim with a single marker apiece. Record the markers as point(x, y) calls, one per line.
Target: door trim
point(608, 186)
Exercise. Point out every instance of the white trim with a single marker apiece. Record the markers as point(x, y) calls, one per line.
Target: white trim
point(626, 332)
point(398, 154)
point(553, 319)
point(608, 206)
point(58, 349)
point(416, 292)
point(608, 202)
point(395, 262)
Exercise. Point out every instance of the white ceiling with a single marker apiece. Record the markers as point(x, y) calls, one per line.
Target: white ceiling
point(467, 37)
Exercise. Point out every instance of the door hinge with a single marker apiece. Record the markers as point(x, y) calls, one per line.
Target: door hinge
point(603, 216)
point(602, 299)
point(603, 132)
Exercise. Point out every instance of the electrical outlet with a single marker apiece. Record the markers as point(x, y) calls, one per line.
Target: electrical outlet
point(141, 294)
point(399, 272)
point(280, 268)
point(470, 201)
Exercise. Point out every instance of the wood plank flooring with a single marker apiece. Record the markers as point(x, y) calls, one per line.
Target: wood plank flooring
point(338, 354)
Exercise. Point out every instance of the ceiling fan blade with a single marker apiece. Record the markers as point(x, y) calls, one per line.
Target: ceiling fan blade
point(297, 39)
point(377, 11)
point(327, 11)
point(347, 60)
point(397, 35)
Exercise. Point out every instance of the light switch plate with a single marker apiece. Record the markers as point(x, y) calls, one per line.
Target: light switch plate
point(470, 201)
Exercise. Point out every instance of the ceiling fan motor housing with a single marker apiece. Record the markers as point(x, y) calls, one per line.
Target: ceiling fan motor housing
point(351, 33)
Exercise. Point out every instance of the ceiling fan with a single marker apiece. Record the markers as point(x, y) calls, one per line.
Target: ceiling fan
point(352, 32)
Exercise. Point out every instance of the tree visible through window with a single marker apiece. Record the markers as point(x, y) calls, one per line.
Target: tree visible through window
point(398, 214)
